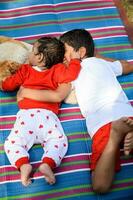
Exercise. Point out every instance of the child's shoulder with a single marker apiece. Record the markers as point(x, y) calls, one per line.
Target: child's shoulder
point(24, 68)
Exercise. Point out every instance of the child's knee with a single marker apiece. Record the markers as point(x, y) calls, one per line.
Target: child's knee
point(101, 187)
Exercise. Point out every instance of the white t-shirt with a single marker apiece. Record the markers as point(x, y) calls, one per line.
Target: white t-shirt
point(99, 94)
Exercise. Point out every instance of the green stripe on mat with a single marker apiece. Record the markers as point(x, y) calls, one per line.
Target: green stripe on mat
point(7, 122)
point(74, 163)
point(108, 31)
point(5, 104)
point(10, 173)
point(70, 114)
point(113, 45)
point(14, 97)
point(123, 181)
point(120, 50)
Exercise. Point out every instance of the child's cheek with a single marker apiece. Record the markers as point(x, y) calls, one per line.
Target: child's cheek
point(67, 58)
point(31, 59)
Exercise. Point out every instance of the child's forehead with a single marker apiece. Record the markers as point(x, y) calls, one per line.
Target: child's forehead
point(35, 47)
point(67, 46)
point(36, 44)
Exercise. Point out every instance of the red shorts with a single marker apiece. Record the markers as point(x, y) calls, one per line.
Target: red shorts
point(100, 140)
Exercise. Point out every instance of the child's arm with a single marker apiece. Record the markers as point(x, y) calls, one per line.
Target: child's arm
point(1, 83)
point(126, 66)
point(14, 81)
point(57, 95)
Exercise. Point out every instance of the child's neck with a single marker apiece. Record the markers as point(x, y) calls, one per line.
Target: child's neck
point(41, 66)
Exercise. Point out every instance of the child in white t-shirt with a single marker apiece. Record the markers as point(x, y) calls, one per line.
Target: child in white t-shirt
point(104, 105)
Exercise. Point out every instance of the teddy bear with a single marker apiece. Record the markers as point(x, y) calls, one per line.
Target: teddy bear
point(13, 53)
point(8, 68)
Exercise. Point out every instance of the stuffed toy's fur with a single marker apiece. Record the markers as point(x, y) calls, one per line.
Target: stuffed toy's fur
point(14, 50)
point(13, 53)
point(7, 68)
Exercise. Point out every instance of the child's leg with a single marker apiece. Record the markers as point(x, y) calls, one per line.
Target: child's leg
point(25, 171)
point(47, 171)
point(105, 167)
point(16, 147)
point(18, 156)
point(55, 147)
point(128, 142)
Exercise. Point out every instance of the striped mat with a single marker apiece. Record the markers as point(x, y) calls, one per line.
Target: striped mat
point(27, 20)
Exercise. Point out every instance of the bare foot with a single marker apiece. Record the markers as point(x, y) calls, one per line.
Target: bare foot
point(48, 173)
point(25, 171)
point(120, 128)
point(128, 143)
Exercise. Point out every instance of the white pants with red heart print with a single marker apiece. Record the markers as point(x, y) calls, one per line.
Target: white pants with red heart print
point(36, 126)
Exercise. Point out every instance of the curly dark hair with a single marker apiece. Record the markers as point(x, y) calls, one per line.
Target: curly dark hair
point(77, 38)
point(52, 49)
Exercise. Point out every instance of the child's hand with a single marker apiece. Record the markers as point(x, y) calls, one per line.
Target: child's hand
point(1, 82)
point(65, 62)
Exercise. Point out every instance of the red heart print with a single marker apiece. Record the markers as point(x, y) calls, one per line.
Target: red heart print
point(16, 131)
point(12, 141)
point(32, 115)
point(41, 126)
point(56, 146)
point(30, 132)
point(49, 132)
point(22, 123)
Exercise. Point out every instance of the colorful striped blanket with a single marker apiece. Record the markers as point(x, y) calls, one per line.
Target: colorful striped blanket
point(27, 20)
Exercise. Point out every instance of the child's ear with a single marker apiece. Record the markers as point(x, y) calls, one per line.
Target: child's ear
point(40, 57)
point(82, 52)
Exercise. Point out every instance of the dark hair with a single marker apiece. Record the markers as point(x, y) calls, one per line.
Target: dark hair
point(52, 49)
point(79, 38)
